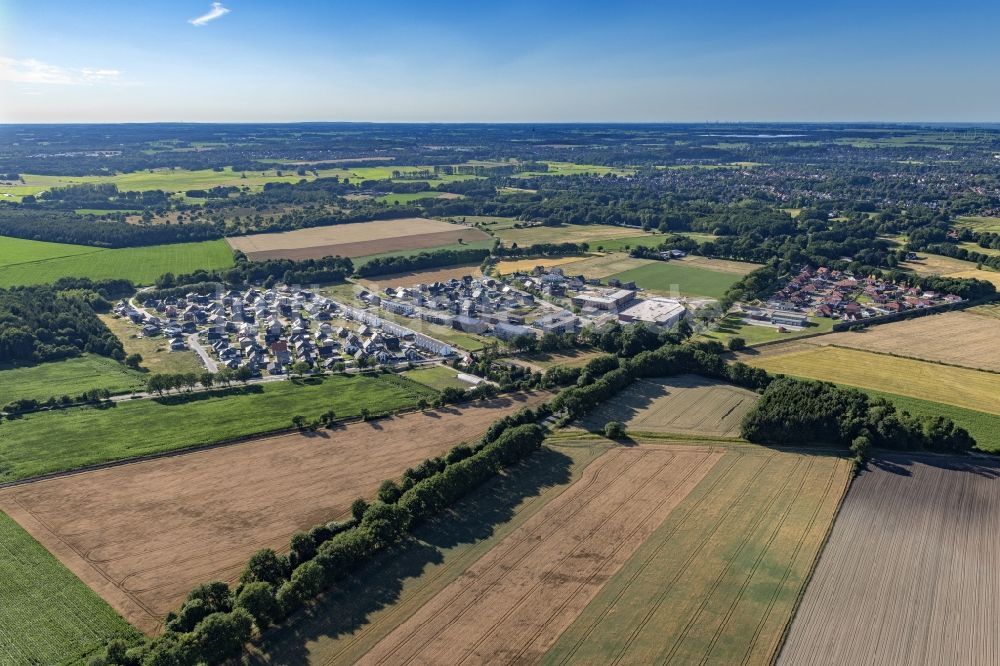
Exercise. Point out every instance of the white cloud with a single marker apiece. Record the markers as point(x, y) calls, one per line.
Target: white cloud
point(215, 12)
point(30, 70)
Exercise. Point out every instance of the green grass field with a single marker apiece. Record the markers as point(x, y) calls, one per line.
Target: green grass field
point(24, 262)
point(47, 615)
point(572, 169)
point(409, 197)
point(721, 577)
point(437, 377)
point(65, 439)
point(665, 277)
point(732, 326)
point(70, 376)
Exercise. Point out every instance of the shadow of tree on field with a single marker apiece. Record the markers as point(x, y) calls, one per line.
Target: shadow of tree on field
point(349, 606)
point(902, 463)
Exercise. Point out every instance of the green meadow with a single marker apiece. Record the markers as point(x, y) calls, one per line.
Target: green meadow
point(664, 277)
point(26, 262)
point(64, 439)
point(71, 376)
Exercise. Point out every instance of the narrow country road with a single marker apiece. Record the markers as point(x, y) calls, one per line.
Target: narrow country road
point(193, 343)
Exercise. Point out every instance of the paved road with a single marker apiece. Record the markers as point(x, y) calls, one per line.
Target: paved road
point(193, 343)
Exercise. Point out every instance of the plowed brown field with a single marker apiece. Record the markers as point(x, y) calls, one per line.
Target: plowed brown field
point(355, 240)
point(142, 535)
point(909, 576)
point(514, 602)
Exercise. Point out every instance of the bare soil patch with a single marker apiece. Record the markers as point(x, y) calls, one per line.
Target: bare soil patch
point(958, 338)
point(142, 535)
point(514, 602)
point(909, 573)
point(688, 404)
point(355, 240)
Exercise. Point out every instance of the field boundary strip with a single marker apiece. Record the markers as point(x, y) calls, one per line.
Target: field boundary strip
point(812, 569)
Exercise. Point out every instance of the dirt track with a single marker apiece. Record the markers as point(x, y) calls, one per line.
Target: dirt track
point(142, 535)
point(909, 576)
point(514, 602)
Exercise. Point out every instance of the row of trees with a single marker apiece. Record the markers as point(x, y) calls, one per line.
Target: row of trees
point(421, 261)
point(215, 622)
point(165, 382)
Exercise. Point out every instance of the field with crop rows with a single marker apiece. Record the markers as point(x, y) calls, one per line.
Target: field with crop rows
point(357, 240)
point(39, 263)
point(64, 439)
point(909, 573)
point(157, 528)
point(957, 338)
point(516, 600)
point(688, 404)
point(718, 581)
point(962, 387)
point(594, 234)
point(602, 266)
point(48, 615)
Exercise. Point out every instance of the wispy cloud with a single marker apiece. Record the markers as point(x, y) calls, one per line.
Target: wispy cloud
point(215, 12)
point(30, 70)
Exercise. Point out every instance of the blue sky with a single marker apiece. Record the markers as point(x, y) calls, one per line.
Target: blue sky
point(510, 61)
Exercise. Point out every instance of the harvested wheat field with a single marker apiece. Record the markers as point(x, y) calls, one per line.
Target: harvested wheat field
point(718, 582)
point(909, 575)
point(508, 266)
point(688, 404)
point(957, 338)
point(961, 387)
point(602, 266)
point(412, 278)
point(143, 534)
point(721, 265)
point(515, 601)
point(355, 240)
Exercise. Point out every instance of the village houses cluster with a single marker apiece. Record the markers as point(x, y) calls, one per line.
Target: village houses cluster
point(270, 330)
point(840, 295)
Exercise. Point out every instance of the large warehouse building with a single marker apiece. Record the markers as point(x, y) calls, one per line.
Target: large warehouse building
point(663, 312)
